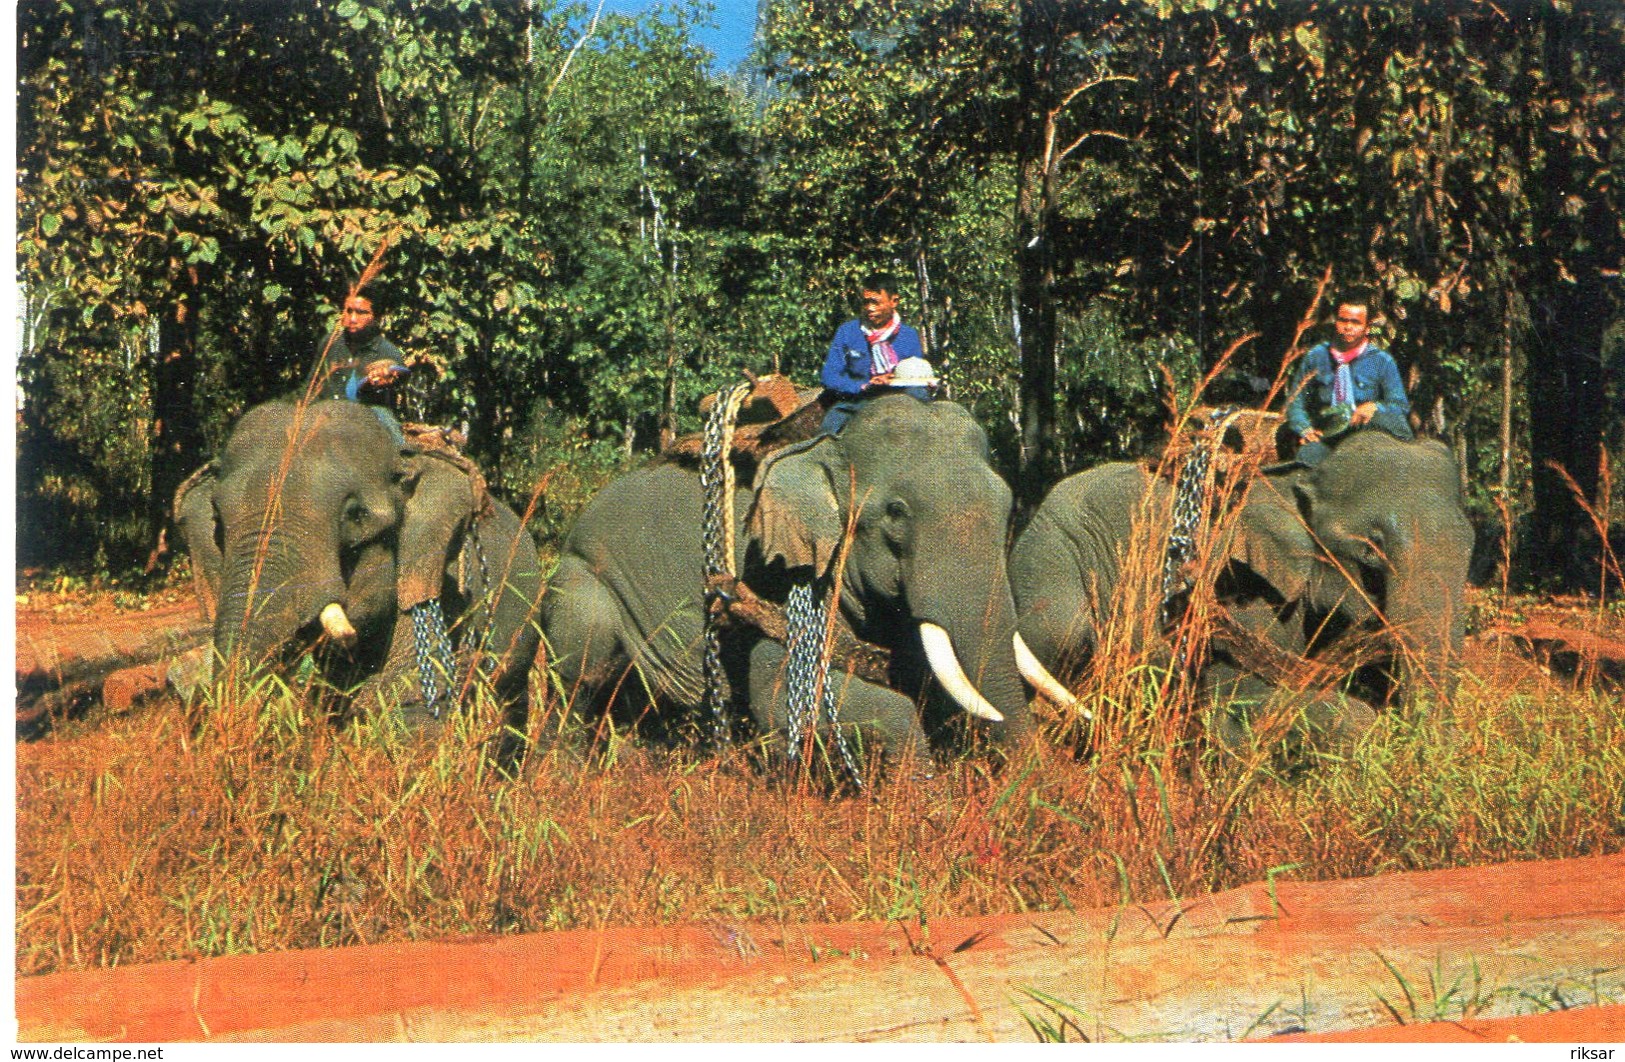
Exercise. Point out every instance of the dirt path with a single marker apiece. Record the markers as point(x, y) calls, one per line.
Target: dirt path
point(1475, 945)
point(71, 656)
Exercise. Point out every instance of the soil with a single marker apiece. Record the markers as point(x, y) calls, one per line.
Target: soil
point(75, 650)
point(55, 630)
point(1526, 951)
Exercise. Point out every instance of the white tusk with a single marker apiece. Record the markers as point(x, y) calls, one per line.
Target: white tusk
point(939, 653)
point(1045, 683)
point(337, 624)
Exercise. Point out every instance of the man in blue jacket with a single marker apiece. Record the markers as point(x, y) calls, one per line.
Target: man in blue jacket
point(1349, 384)
point(865, 350)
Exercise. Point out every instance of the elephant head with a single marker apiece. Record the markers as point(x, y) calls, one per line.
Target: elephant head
point(904, 509)
point(1374, 538)
point(315, 526)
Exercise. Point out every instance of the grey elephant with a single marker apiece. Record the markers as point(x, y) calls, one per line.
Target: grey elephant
point(316, 529)
point(924, 576)
point(1374, 542)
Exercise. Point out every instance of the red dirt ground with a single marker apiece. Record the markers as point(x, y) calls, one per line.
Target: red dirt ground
point(1375, 958)
point(49, 637)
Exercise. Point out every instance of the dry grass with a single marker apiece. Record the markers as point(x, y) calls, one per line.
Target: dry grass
point(252, 826)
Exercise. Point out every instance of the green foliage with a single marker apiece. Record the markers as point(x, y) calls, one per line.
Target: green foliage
point(578, 216)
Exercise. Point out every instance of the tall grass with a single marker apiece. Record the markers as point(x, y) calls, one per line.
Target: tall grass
point(253, 824)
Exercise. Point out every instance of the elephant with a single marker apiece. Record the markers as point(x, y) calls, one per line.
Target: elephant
point(923, 575)
point(315, 529)
point(1374, 542)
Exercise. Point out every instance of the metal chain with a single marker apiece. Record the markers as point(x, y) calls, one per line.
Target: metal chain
point(432, 643)
point(434, 655)
point(1190, 517)
point(476, 647)
point(717, 535)
point(810, 691)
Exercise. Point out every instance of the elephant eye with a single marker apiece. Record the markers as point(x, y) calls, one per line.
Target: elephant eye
point(354, 511)
point(897, 509)
point(1371, 551)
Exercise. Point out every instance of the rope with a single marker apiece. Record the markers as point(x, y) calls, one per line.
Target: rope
point(717, 533)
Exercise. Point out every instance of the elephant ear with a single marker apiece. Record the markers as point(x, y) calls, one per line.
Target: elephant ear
point(440, 500)
point(1274, 542)
point(796, 515)
point(200, 526)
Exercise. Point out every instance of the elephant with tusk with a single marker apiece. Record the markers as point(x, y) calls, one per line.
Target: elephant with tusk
point(902, 510)
point(316, 530)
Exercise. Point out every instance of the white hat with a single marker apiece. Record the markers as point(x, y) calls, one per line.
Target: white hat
point(913, 372)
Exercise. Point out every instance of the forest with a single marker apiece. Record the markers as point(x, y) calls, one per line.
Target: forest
point(586, 228)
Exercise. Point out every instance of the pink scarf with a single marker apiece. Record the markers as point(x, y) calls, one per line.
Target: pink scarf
point(880, 348)
point(1343, 383)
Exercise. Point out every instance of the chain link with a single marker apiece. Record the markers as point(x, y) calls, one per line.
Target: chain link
point(1189, 520)
point(810, 692)
point(432, 643)
point(434, 655)
point(717, 535)
point(475, 647)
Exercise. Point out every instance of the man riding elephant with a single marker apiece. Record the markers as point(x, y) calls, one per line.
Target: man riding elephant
point(1316, 560)
point(315, 529)
point(900, 516)
point(1346, 386)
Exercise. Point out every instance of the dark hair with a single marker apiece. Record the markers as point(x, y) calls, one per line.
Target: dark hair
point(879, 280)
point(379, 294)
point(1360, 297)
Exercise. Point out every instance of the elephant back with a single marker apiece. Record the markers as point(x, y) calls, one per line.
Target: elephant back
point(1240, 442)
point(775, 413)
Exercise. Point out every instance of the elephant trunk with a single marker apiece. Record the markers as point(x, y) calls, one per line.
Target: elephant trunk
point(969, 638)
point(1426, 613)
point(269, 591)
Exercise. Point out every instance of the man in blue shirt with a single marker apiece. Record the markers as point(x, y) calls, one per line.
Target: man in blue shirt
point(1346, 385)
point(865, 350)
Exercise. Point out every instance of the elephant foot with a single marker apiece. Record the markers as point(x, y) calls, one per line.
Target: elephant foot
point(1286, 728)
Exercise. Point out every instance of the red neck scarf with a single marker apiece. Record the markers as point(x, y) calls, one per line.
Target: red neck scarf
point(880, 348)
point(1342, 382)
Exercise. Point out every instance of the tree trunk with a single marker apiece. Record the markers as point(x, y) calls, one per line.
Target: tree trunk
point(1035, 260)
point(1506, 399)
point(1571, 307)
point(176, 439)
point(668, 397)
point(1566, 418)
point(928, 311)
